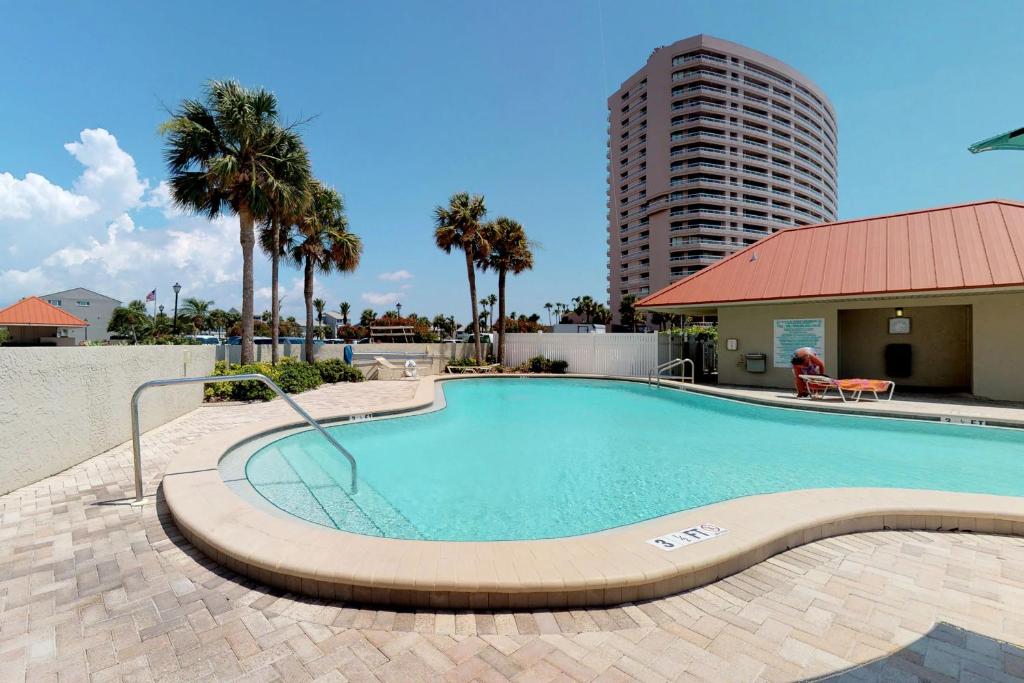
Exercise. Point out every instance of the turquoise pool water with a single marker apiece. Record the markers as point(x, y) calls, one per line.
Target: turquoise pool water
point(542, 458)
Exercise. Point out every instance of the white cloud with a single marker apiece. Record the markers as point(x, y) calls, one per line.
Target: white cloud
point(110, 177)
point(380, 298)
point(395, 276)
point(160, 197)
point(20, 283)
point(108, 186)
point(113, 254)
point(36, 198)
point(209, 252)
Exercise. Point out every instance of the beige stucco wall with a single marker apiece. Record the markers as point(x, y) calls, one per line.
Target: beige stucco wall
point(940, 337)
point(996, 341)
point(60, 406)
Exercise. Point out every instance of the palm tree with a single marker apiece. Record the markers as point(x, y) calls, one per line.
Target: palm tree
point(457, 226)
point(367, 317)
point(222, 155)
point(484, 315)
point(197, 312)
point(218, 320)
point(319, 304)
point(344, 309)
point(286, 199)
point(549, 306)
point(491, 300)
point(510, 253)
point(324, 244)
point(130, 321)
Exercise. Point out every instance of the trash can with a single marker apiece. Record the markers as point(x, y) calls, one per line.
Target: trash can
point(898, 360)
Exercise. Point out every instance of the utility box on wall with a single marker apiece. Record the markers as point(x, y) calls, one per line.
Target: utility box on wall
point(757, 362)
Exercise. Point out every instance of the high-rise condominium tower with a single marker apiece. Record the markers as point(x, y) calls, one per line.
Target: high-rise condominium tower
point(711, 146)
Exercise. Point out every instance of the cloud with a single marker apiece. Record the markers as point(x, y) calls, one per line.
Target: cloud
point(395, 276)
point(380, 298)
point(109, 185)
point(36, 198)
point(113, 255)
point(24, 282)
point(110, 177)
point(160, 197)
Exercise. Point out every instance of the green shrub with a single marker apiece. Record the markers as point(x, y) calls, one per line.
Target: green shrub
point(335, 370)
point(295, 378)
point(249, 390)
point(253, 390)
point(540, 364)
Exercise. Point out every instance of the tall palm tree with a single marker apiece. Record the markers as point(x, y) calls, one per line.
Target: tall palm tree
point(549, 306)
point(344, 309)
point(510, 253)
point(458, 226)
point(221, 155)
point(320, 305)
point(484, 314)
point(491, 300)
point(197, 312)
point(286, 200)
point(324, 244)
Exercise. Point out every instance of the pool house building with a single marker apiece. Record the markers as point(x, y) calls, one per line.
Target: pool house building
point(932, 299)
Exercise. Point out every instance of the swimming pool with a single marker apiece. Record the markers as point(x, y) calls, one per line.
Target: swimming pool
point(511, 459)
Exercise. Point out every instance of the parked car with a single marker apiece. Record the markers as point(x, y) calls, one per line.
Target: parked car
point(237, 341)
point(205, 338)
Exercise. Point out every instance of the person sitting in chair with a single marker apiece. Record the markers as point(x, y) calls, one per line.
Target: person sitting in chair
point(805, 362)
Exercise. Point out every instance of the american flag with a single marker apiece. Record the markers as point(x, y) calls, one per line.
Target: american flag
point(151, 296)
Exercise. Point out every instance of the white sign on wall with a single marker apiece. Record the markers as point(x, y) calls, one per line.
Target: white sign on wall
point(796, 333)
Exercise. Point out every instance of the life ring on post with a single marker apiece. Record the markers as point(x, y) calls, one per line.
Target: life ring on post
point(410, 368)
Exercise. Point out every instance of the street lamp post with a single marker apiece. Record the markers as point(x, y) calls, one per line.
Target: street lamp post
point(174, 325)
point(398, 307)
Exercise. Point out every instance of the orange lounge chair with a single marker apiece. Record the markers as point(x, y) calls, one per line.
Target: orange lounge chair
point(819, 385)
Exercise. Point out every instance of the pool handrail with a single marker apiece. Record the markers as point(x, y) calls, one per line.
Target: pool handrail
point(137, 435)
point(668, 365)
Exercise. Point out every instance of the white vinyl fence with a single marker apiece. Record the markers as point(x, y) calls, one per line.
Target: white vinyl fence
point(629, 355)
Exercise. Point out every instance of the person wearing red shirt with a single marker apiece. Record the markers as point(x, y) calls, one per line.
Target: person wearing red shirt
point(805, 362)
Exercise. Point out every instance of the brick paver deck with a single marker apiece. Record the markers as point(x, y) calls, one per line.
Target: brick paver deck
point(94, 589)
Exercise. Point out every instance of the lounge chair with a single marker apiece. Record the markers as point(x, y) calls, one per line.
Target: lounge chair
point(388, 370)
point(819, 385)
point(470, 369)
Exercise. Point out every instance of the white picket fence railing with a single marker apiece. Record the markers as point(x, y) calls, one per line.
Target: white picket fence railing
point(628, 355)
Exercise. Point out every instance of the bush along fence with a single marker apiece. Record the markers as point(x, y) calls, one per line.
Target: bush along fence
point(291, 375)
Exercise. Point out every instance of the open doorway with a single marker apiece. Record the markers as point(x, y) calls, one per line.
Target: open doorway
point(931, 352)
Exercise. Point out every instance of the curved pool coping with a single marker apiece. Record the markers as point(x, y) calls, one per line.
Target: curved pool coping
point(603, 568)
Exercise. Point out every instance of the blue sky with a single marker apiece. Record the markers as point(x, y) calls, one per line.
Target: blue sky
point(414, 101)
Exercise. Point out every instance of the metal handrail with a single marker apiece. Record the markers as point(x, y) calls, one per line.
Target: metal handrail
point(137, 437)
point(668, 365)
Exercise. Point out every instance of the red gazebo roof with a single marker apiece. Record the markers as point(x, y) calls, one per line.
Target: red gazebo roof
point(34, 312)
point(967, 246)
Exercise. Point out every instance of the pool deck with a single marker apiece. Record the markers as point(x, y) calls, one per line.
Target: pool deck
point(956, 407)
point(93, 589)
point(605, 568)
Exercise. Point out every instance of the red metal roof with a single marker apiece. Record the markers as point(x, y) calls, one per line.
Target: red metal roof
point(955, 247)
point(34, 312)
